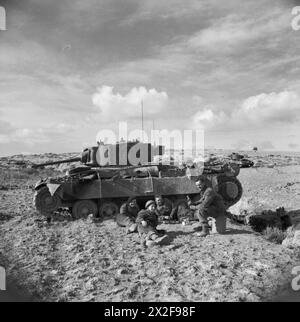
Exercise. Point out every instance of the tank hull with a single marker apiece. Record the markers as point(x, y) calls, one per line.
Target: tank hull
point(118, 190)
point(124, 188)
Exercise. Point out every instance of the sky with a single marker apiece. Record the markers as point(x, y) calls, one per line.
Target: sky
point(71, 68)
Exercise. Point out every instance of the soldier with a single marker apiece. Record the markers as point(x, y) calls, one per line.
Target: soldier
point(147, 222)
point(127, 216)
point(165, 209)
point(210, 205)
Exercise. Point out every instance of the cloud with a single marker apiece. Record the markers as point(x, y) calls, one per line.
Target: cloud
point(206, 56)
point(168, 9)
point(235, 30)
point(208, 119)
point(256, 112)
point(114, 105)
point(241, 144)
point(283, 107)
point(221, 34)
point(293, 145)
point(32, 136)
point(249, 144)
point(5, 128)
point(265, 145)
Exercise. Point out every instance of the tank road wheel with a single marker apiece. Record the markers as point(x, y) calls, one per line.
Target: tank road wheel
point(44, 202)
point(83, 208)
point(109, 209)
point(230, 189)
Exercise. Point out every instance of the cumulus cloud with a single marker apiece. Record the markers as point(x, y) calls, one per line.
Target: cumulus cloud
point(207, 118)
point(256, 111)
point(283, 107)
point(114, 105)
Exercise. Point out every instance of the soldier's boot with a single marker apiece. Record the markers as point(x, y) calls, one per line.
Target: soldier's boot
point(150, 239)
point(131, 229)
point(150, 243)
point(205, 231)
point(161, 232)
point(162, 240)
point(156, 240)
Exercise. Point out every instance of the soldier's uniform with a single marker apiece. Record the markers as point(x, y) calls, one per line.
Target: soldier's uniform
point(185, 213)
point(166, 210)
point(149, 233)
point(127, 217)
point(210, 205)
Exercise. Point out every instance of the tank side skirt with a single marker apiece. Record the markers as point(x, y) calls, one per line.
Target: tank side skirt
point(122, 188)
point(110, 189)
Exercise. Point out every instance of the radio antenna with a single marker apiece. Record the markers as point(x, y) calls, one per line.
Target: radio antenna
point(142, 108)
point(153, 132)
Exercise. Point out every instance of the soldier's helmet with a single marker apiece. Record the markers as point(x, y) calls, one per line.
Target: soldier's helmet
point(203, 180)
point(149, 203)
point(130, 199)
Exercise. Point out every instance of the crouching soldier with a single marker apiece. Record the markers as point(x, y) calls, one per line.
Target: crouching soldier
point(147, 221)
point(128, 214)
point(210, 205)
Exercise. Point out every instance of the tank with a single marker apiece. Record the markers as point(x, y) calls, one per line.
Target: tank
point(241, 160)
point(97, 189)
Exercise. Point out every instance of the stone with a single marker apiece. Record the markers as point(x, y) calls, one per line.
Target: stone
point(287, 242)
point(296, 239)
point(54, 272)
point(122, 271)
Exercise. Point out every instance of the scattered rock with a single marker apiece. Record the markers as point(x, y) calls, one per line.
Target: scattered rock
point(296, 239)
point(122, 271)
point(293, 237)
point(54, 272)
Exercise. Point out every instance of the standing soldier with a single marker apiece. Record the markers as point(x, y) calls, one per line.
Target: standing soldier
point(147, 222)
point(210, 205)
point(127, 216)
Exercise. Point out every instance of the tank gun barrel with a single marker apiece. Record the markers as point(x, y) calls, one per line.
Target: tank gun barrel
point(75, 159)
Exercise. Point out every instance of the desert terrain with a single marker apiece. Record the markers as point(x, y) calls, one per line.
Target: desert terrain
point(94, 260)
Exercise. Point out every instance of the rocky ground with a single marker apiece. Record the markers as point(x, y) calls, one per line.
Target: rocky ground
point(88, 260)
